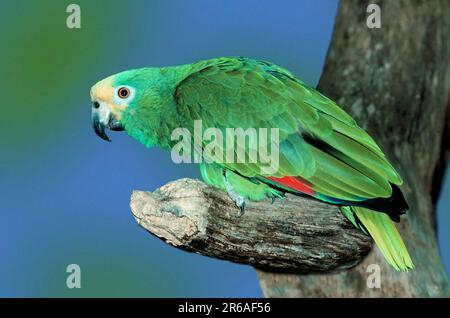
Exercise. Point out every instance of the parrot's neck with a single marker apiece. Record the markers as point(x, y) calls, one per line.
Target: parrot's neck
point(153, 133)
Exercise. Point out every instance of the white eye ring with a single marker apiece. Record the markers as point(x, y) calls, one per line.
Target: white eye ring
point(123, 94)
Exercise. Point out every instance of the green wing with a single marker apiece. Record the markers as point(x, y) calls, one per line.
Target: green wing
point(318, 141)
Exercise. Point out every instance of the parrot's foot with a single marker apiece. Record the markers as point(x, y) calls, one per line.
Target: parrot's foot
point(238, 199)
point(275, 194)
point(240, 203)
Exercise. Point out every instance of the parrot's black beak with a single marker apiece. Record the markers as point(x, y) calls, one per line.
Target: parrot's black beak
point(100, 124)
point(99, 127)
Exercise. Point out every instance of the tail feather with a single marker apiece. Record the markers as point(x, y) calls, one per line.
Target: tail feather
point(385, 234)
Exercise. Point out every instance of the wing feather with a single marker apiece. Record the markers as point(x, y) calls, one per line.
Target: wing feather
point(319, 142)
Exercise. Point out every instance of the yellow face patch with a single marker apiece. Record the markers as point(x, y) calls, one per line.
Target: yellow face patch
point(104, 91)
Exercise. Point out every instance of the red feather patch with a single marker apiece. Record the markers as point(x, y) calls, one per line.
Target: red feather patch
point(294, 183)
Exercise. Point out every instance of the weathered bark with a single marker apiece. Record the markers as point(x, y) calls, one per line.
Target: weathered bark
point(293, 234)
point(395, 82)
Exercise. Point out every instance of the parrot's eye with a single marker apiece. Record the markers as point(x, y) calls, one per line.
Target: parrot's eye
point(123, 95)
point(123, 92)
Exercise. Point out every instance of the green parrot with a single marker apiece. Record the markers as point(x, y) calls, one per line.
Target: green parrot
point(322, 152)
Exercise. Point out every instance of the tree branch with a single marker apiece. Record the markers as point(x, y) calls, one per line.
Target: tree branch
point(293, 234)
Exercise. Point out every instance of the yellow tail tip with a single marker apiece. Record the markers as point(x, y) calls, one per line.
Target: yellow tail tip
point(386, 237)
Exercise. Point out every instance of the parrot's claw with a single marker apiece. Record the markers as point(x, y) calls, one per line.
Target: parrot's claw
point(241, 206)
point(275, 194)
point(238, 199)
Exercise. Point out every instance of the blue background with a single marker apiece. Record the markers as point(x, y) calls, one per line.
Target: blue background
point(65, 193)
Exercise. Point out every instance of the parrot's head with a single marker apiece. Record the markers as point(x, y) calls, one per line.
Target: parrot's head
point(108, 104)
point(122, 98)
